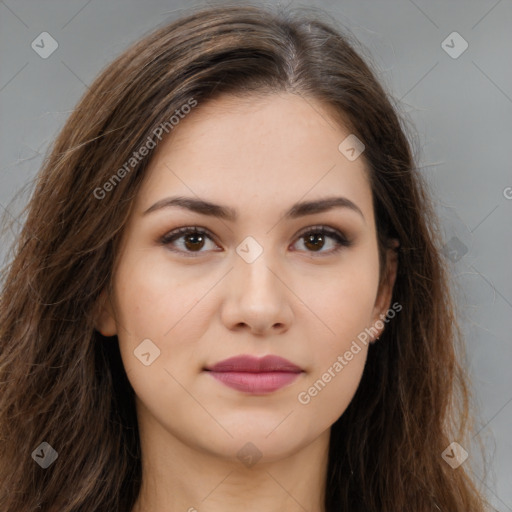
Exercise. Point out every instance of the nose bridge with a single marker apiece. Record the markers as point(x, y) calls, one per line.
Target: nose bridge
point(254, 261)
point(257, 299)
point(258, 293)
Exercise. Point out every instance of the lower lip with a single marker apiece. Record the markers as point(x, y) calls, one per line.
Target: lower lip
point(247, 382)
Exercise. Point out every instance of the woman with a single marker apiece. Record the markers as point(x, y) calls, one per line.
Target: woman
point(228, 292)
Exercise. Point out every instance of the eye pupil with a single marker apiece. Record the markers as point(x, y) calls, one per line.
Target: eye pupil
point(194, 237)
point(311, 239)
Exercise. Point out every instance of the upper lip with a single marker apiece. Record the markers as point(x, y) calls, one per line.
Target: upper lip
point(247, 363)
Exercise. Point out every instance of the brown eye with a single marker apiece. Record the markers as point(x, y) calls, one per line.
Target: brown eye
point(314, 241)
point(316, 238)
point(194, 239)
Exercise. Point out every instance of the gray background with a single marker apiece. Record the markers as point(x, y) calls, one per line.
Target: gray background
point(461, 108)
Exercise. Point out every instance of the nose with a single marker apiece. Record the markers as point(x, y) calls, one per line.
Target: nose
point(257, 298)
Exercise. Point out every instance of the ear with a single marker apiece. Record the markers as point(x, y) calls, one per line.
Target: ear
point(104, 320)
point(385, 292)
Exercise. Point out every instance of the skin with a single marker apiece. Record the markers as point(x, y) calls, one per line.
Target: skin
point(305, 305)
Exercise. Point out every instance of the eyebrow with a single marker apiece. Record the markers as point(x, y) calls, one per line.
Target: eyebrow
point(300, 209)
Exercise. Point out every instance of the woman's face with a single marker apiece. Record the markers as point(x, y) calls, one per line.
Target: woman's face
point(264, 282)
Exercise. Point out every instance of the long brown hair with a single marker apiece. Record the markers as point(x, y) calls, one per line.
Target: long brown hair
point(62, 383)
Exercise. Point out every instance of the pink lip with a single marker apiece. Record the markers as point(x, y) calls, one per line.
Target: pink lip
point(255, 375)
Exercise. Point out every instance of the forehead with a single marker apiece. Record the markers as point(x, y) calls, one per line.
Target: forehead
point(242, 151)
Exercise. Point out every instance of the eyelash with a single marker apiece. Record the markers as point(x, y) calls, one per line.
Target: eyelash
point(336, 235)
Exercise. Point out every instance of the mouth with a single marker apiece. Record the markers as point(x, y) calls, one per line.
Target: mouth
point(254, 375)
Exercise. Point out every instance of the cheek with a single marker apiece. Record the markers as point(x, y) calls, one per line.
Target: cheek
point(151, 297)
point(156, 304)
point(344, 299)
point(344, 303)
